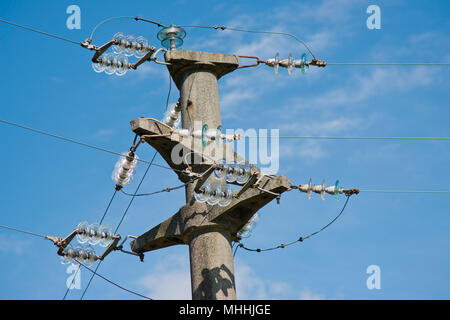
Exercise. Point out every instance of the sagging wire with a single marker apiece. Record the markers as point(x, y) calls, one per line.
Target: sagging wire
point(94, 273)
point(156, 192)
point(154, 57)
point(215, 27)
point(300, 239)
point(122, 17)
point(86, 44)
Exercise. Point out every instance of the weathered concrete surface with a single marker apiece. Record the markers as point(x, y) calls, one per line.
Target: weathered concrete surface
point(212, 274)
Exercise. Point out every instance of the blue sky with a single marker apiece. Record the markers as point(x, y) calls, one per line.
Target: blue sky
point(49, 186)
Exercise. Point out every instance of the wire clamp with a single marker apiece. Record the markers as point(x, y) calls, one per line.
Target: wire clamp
point(317, 63)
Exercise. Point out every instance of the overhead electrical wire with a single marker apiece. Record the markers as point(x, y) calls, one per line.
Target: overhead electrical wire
point(170, 89)
point(101, 221)
point(41, 32)
point(155, 192)
point(109, 204)
point(215, 27)
point(300, 239)
point(81, 143)
point(23, 231)
point(251, 31)
point(122, 218)
point(94, 273)
point(388, 64)
point(150, 163)
point(352, 138)
point(123, 17)
point(408, 191)
point(287, 137)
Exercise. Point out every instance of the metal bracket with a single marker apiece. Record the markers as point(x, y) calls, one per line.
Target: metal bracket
point(110, 248)
point(100, 50)
point(146, 57)
point(204, 177)
point(249, 183)
point(258, 61)
point(120, 248)
point(65, 242)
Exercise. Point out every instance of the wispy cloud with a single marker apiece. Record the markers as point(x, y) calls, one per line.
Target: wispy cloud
point(169, 279)
point(11, 245)
point(307, 294)
point(361, 87)
point(103, 133)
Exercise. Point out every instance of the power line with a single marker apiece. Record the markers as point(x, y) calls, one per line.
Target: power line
point(122, 17)
point(388, 64)
point(137, 189)
point(23, 231)
point(155, 192)
point(113, 283)
point(252, 31)
point(233, 29)
point(123, 217)
point(352, 138)
point(281, 137)
point(90, 280)
point(407, 191)
point(283, 245)
point(81, 143)
point(101, 220)
point(107, 208)
point(170, 89)
point(104, 21)
point(94, 272)
point(41, 32)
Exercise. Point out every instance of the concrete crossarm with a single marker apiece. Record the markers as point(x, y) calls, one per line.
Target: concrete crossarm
point(165, 145)
point(194, 216)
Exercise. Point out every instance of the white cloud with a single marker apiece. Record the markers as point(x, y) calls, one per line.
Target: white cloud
point(307, 294)
point(10, 245)
point(362, 87)
point(149, 69)
point(102, 133)
point(321, 127)
point(248, 285)
point(169, 280)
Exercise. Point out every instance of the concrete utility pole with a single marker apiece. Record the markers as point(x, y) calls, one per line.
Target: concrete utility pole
point(208, 230)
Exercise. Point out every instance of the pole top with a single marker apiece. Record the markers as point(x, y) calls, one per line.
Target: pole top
point(182, 61)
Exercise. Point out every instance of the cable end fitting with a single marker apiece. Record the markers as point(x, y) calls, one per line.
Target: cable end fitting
point(317, 63)
point(350, 192)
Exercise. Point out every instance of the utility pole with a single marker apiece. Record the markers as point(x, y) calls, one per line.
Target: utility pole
point(208, 230)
